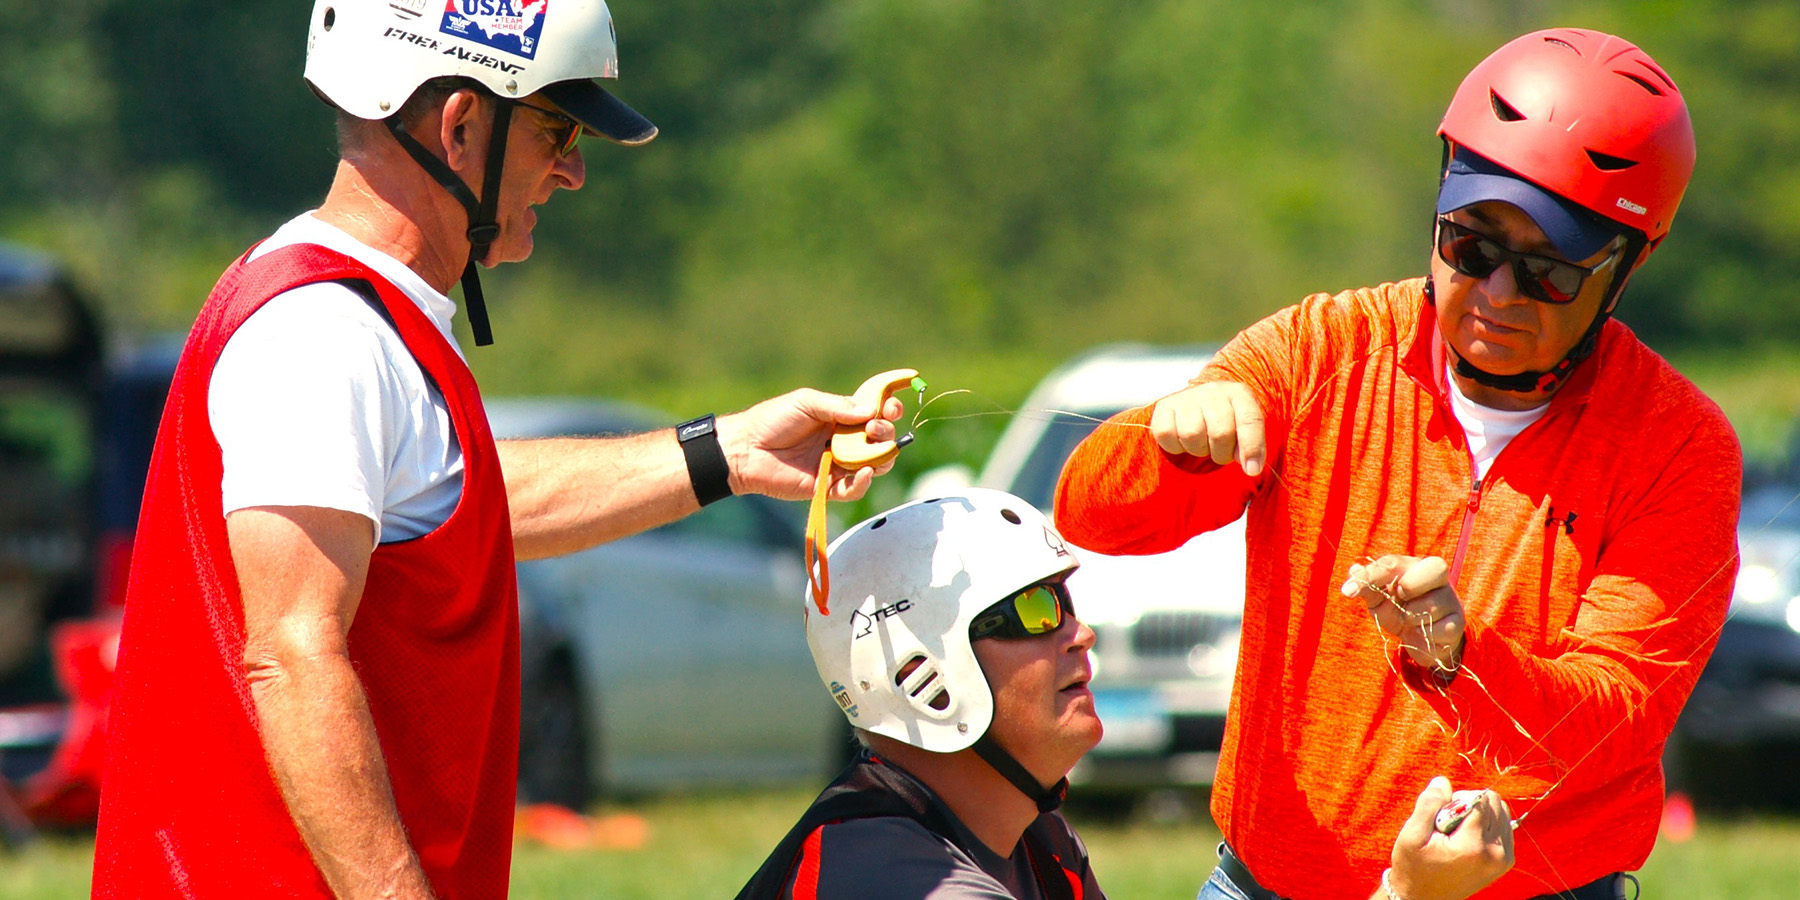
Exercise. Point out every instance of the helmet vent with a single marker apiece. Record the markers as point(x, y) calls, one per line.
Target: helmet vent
point(1643, 83)
point(1011, 516)
point(330, 18)
point(878, 523)
point(1608, 163)
point(1503, 110)
point(940, 701)
point(1564, 44)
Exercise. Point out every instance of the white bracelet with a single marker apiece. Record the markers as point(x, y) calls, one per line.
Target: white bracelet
point(1388, 886)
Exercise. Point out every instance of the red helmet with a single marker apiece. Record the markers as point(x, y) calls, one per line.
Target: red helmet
point(1584, 115)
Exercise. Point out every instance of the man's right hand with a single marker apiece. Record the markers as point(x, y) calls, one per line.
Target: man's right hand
point(1220, 420)
point(1430, 865)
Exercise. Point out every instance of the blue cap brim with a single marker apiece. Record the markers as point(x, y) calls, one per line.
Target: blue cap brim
point(602, 113)
point(1575, 233)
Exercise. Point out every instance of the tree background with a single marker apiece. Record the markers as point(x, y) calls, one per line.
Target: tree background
point(977, 189)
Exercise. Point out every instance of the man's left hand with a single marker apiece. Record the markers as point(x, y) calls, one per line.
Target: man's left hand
point(1411, 598)
point(774, 447)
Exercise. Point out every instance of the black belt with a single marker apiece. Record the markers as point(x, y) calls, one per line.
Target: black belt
point(1607, 887)
point(1239, 876)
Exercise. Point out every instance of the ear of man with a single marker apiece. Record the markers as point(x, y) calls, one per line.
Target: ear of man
point(462, 135)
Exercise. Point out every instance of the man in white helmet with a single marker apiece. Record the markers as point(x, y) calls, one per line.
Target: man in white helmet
point(318, 681)
point(951, 644)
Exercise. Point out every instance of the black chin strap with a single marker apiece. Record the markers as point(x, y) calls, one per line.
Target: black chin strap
point(1550, 380)
point(483, 230)
point(1046, 798)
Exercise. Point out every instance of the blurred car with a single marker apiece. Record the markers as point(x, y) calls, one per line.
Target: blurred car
point(670, 659)
point(50, 379)
point(1167, 625)
point(1738, 738)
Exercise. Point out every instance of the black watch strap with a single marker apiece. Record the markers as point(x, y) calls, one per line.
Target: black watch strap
point(707, 470)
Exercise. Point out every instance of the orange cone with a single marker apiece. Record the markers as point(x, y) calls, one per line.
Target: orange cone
point(565, 829)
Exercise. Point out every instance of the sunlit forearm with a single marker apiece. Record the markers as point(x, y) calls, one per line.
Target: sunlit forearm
point(567, 494)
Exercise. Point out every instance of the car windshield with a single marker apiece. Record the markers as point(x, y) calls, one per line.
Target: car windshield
point(44, 443)
point(1037, 478)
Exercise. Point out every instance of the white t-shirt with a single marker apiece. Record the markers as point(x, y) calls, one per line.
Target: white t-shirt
point(317, 402)
point(1489, 430)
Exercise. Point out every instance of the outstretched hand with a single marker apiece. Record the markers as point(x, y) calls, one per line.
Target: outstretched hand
point(1430, 865)
point(774, 447)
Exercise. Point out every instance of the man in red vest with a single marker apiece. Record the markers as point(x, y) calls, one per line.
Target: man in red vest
point(318, 679)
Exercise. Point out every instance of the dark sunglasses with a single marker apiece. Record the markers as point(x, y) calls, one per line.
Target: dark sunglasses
point(1539, 277)
point(1037, 610)
point(569, 129)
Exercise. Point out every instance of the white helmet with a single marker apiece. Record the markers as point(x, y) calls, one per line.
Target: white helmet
point(907, 585)
point(368, 56)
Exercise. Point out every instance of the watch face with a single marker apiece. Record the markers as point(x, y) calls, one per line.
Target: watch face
point(687, 431)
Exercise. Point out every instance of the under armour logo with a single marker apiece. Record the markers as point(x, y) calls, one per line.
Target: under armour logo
point(1567, 522)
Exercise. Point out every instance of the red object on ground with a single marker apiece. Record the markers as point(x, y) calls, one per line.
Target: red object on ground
point(67, 792)
point(190, 808)
point(565, 829)
point(1678, 822)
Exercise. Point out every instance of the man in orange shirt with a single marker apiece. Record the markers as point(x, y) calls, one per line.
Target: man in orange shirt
point(1535, 510)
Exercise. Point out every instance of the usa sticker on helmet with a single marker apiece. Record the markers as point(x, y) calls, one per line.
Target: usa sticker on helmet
point(509, 26)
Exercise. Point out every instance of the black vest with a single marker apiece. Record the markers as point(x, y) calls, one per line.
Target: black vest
point(869, 788)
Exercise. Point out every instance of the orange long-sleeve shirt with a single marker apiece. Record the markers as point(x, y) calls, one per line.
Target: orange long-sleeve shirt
point(1595, 564)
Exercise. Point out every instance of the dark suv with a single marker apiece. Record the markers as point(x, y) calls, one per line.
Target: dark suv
point(77, 424)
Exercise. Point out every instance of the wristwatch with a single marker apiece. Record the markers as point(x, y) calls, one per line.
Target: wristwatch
point(707, 470)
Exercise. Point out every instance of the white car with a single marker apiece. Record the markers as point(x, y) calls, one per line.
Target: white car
point(1167, 624)
point(669, 659)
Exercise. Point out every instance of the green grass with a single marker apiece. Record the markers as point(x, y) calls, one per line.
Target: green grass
point(707, 846)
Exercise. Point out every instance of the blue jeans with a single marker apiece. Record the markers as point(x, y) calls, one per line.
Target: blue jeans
point(1218, 887)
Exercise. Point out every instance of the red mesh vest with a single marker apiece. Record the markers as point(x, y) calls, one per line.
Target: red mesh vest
point(189, 807)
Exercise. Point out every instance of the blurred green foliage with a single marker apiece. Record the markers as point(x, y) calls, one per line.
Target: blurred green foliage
point(976, 189)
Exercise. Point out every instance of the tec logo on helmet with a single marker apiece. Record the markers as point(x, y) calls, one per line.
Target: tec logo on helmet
point(509, 26)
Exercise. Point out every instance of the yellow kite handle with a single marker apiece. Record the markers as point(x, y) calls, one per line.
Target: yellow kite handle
point(851, 450)
point(850, 446)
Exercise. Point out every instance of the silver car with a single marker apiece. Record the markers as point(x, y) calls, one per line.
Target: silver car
point(670, 659)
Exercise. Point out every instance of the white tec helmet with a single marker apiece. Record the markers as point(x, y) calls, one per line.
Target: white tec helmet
point(368, 56)
point(905, 586)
